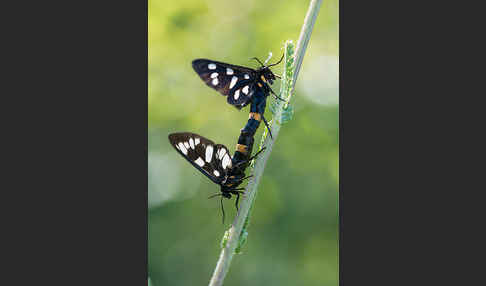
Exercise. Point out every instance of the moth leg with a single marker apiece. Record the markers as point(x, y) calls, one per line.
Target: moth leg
point(237, 193)
point(246, 178)
point(257, 153)
point(237, 199)
point(222, 208)
point(276, 96)
point(254, 156)
point(268, 128)
point(251, 158)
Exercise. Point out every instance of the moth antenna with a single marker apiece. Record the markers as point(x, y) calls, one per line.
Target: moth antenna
point(215, 195)
point(269, 57)
point(255, 58)
point(276, 62)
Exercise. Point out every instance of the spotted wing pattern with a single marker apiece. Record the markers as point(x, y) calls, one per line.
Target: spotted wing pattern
point(235, 82)
point(213, 160)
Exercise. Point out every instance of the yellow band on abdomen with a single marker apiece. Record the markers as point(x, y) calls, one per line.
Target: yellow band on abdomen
point(241, 148)
point(255, 116)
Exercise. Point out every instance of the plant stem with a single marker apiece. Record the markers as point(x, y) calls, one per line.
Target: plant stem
point(231, 239)
point(305, 33)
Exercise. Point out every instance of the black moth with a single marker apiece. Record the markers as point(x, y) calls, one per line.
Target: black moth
point(214, 161)
point(238, 83)
point(241, 85)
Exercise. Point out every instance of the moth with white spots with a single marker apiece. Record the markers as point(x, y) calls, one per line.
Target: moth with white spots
point(241, 85)
point(231, 78)
point(213, 160)
point(205, 155)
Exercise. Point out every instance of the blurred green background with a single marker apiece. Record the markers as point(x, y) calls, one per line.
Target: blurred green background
point(293, 235)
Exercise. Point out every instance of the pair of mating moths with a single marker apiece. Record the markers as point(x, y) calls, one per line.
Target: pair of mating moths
point(241, 86)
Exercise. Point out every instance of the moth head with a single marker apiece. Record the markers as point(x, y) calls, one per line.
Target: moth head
point(231, 181)
point(265, 69)
point(225, 191)
point(226, 195)
point(268, 75)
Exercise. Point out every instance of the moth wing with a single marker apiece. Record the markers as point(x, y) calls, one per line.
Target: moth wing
point(241, 94)
point(222, 159)
point(226, 78)
point(201, 153)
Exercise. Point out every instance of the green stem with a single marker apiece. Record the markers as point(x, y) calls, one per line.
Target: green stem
point(232, 239)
